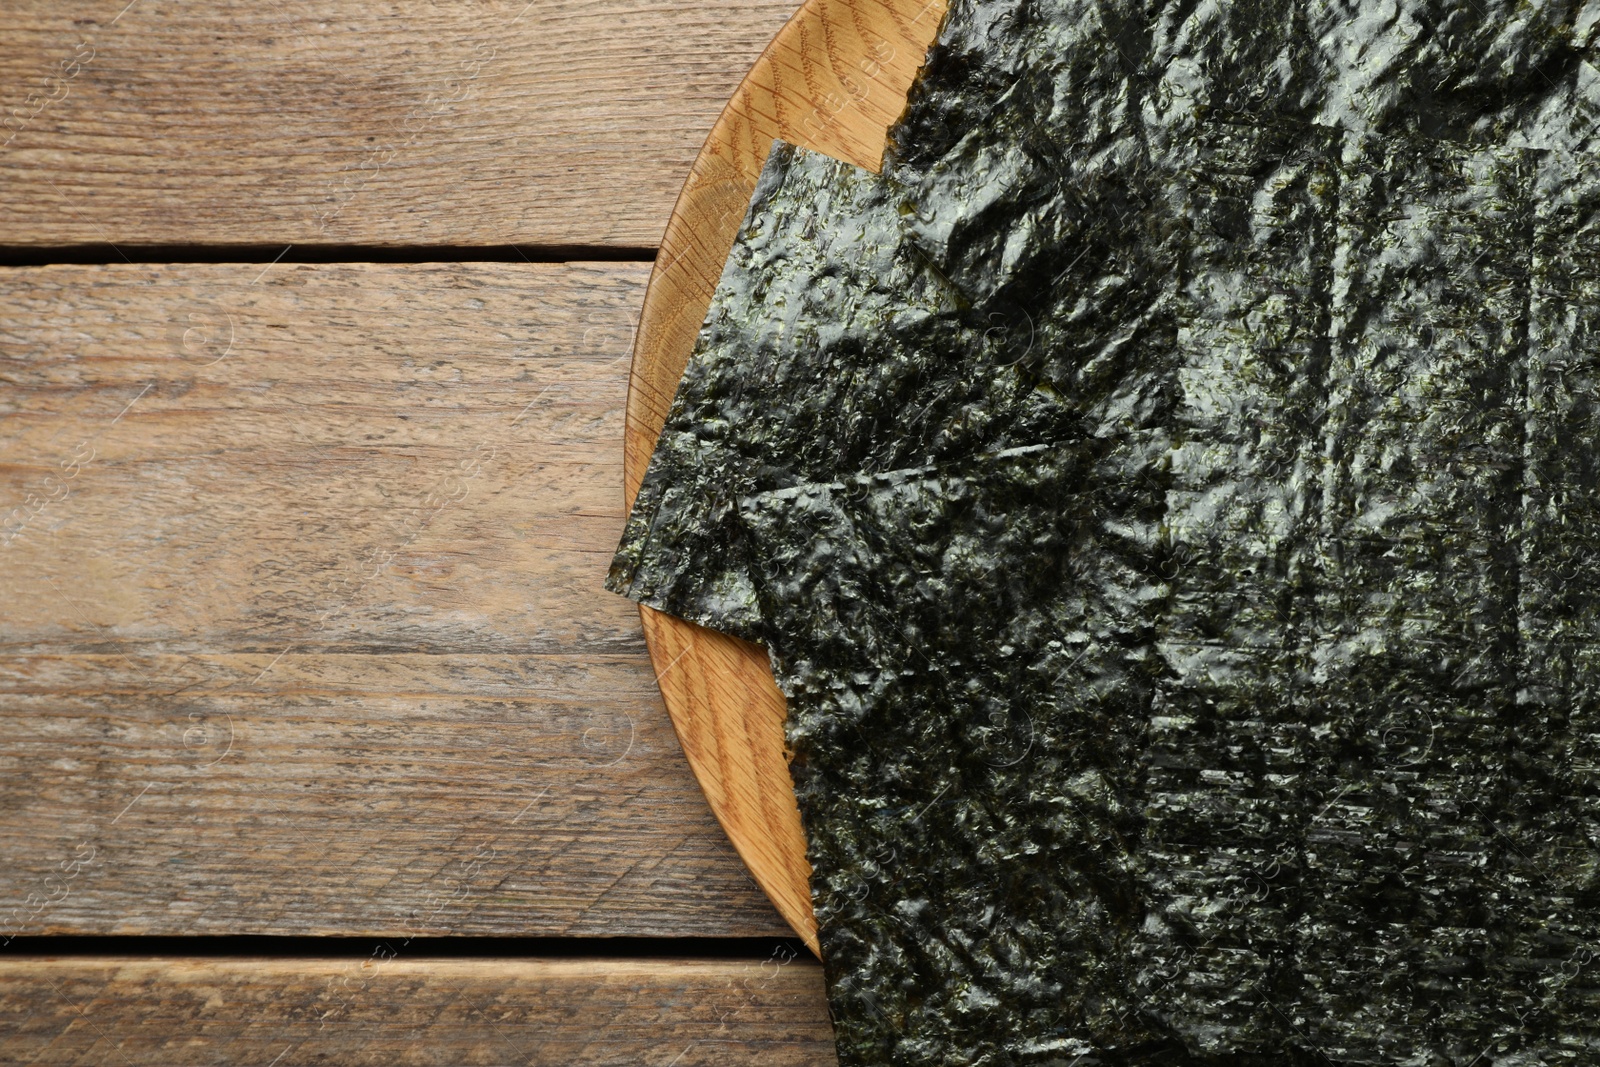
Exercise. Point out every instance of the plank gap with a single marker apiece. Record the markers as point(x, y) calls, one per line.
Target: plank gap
point(103, 254)
point(246, 946)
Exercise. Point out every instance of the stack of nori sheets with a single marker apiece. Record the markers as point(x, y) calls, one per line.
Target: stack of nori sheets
point(1170, 495)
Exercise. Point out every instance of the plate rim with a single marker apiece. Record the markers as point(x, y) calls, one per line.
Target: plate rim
point(833, 79)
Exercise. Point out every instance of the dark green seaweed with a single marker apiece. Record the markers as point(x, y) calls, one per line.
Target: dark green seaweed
point(830, 344)
point(1169, 495)
point(964, 772)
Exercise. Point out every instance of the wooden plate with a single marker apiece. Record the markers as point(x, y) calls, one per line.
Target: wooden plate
point(833, 80)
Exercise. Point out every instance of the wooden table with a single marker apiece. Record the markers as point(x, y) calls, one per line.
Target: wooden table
point(319, 740)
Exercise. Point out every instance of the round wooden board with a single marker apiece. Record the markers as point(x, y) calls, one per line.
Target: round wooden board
point(833, 80)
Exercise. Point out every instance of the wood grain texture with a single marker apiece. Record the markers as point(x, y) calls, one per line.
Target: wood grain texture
point(833, 80)
point(393, 1010)
point(407, 122)
point(303, 628)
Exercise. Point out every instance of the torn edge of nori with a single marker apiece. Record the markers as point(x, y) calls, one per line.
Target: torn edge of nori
point(746, 409)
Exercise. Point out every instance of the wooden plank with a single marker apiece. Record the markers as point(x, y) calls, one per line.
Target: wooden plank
point(834, 80)
point(577, 1013)
point(467, 122)
point(304, 629)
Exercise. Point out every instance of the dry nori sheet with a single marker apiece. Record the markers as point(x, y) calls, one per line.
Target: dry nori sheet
point(1303, 298)
point(1018, 138)
point(1333, 722)
point(1301, 697)
point(964, 773)
point(830, 345)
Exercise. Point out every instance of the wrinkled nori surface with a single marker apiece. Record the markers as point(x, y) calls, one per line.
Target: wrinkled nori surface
point(1303, 299)
point(967, 769)
point(826, 348)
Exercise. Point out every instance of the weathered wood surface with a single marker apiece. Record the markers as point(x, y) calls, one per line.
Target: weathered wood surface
point(833, 80)
point(578, 1013)
point(302, 627)
point(408, 122)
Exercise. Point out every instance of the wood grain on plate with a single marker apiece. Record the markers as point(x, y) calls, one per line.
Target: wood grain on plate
point(833, 80)
point(382, 1010)
point(303, 629)
point(352, 122)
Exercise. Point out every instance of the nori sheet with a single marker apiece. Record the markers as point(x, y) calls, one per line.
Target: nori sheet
point(1296, 304)
point(1019, 136)
point(1314, 746)
point(830, 345)
point(964, 773)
